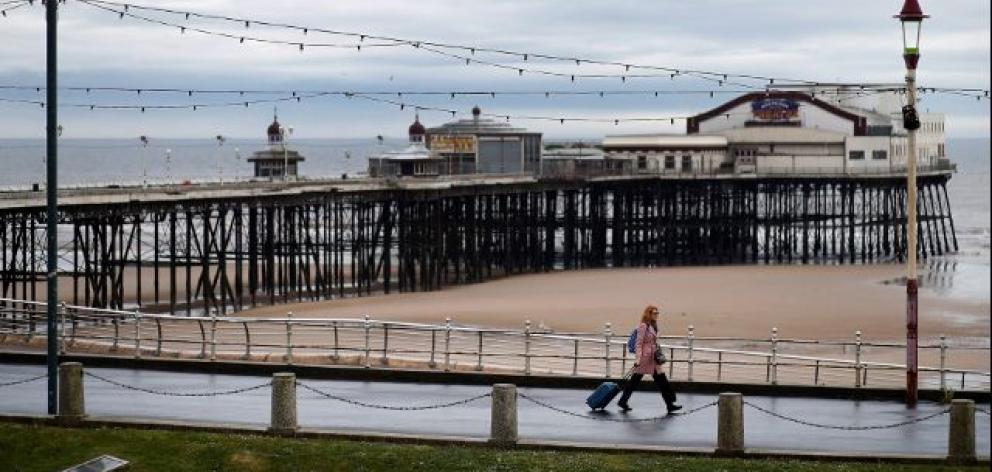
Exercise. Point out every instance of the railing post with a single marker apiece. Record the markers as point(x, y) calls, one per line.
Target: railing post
point(203, 340)
point(857, 359)
point(943, 363)
point(335, 356)
point(72, 405)
point(213, 336)
point(719, 365)
point(289, 338)
point(527, 347)
point(244, 325)
point(385, 344)
point(478, 362)
point(283, 419)
point(447, 344)
point(774, 359)
point(730, 425)
point(690, 337)
point(607, 335)
point(137, 335)
point(575, 358)
point(816, 373)
point(158, 337)
point(72, 317)
point(503, 420)
point(367, 326)
point(961, 432)
point(432, 363)
point(61, 323)
point(117, 334)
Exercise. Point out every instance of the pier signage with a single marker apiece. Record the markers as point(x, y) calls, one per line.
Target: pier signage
point(775, 109)
point(462, 144)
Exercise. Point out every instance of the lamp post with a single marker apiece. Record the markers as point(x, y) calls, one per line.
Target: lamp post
point(51, 194)
point(220, 160)
point(284, 132)
point(144, 160)
point(911, 18)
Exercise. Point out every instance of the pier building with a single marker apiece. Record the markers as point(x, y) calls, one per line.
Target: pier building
point(480, 145)
point(788, 132)
point(278, 160)
point(413, 160)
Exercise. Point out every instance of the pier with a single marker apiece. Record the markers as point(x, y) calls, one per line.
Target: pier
point(218, 249)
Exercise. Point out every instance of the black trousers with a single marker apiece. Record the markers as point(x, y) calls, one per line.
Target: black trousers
point(660, 380)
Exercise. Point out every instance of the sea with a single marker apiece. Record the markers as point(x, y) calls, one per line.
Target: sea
point(97, 162)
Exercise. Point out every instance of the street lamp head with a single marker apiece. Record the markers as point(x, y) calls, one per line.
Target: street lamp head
point(911, 16)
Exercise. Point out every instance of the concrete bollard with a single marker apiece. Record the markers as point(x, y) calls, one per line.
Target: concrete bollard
point(503, 425)
point(730, 425)
point(72, 407)
point(283, 403)
point(961, 432)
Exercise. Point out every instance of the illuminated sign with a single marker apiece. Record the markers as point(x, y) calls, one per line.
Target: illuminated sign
point(775, 109)
point(464, 144)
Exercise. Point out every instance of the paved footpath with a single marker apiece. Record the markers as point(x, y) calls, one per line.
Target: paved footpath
point(536, 422)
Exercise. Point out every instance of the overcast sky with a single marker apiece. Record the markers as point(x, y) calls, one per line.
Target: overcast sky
point(839, 40)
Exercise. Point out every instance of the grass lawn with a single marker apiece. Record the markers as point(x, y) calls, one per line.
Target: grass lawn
point(29, 448)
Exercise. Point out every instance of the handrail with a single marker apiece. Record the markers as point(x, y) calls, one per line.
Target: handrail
point(457, 345)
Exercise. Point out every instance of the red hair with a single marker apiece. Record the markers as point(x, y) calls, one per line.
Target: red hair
point(646, 316)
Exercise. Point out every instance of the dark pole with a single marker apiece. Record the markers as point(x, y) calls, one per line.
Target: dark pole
point(51, 190)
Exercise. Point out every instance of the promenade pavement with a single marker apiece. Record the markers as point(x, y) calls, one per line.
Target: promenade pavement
point(536, 422)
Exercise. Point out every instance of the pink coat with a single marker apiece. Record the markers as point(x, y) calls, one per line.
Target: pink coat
point(646, 346)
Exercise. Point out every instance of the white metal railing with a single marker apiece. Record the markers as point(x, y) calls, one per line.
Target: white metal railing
point(447, 346)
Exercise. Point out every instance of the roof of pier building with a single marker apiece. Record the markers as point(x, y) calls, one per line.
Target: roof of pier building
point(779, 110)
point(478, 125)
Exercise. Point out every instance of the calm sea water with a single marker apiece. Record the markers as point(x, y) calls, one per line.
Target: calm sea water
point(118, 161)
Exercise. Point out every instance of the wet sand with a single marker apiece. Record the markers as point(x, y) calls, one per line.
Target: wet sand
point(813, 302)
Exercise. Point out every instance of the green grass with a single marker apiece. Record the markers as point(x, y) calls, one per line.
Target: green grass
point(30, 448)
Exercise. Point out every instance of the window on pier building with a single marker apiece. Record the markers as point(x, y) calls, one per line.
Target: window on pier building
point(879, 155)
point(686, 163)
point(856, 155)
point(669, 162)
point(642, 162)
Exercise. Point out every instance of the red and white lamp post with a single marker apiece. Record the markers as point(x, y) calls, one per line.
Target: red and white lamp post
point(911, 18)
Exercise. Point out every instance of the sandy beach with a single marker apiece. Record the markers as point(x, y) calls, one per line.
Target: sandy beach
point(824, 302)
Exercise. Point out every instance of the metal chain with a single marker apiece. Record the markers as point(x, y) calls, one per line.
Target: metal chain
point(615, 420)
point(848, 428)
point(22, 381)
point(390, 407)
point(178, 394)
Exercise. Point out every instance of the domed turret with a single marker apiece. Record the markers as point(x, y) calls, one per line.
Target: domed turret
point(417, 131)
point(275, 130)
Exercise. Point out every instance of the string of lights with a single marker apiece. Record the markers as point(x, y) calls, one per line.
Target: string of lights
point(241, 38)
point(403, 105)
point(122, 9)
point(839, 90)
point(146, 107)
point(12, 5)
point(561, 119)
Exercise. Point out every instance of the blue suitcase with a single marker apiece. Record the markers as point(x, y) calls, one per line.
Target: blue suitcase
point(603, 395)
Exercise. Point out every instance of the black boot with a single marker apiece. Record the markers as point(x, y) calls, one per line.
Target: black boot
point(673, 407)
point(624, 407)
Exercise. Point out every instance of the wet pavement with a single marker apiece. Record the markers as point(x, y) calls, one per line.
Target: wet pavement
point(536, 422)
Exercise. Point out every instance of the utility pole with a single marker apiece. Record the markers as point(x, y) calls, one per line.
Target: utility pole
point(51, 192)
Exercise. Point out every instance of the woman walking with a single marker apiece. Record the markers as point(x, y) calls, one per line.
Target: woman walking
point(648, 359)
